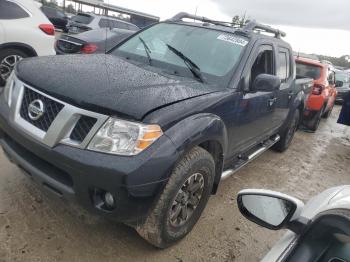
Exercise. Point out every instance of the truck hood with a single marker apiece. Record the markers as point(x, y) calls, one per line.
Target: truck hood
point(107, 84)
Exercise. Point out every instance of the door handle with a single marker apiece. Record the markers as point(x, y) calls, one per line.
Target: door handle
point(272, 101)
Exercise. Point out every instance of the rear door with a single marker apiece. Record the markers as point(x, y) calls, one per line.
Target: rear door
point(286, 93)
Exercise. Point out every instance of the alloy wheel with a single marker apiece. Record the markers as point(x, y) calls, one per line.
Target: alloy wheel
point(7, 65)
point(187, 200)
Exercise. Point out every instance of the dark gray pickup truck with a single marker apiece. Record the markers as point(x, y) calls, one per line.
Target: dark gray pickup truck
point(145, 133)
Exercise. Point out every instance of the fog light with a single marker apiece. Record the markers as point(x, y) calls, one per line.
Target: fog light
point(109, 199)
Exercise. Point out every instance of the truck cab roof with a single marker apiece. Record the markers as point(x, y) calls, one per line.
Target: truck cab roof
point(252, 29)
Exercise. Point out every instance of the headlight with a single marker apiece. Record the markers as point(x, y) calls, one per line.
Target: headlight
point(8, 89)
point(122, 137)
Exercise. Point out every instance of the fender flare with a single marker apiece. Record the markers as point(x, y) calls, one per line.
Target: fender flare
point(196, 130)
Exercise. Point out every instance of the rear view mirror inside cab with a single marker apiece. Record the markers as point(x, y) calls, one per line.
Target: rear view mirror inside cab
point(269, 209)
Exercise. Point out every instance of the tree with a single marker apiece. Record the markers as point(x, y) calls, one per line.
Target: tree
point(342, 61)
point(241, 21)
point(235, 19)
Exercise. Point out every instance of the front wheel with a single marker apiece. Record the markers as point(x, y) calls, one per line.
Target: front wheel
point(182, 201)
point(288, 133)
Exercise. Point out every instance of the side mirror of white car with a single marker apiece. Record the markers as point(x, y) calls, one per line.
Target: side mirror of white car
point(272, 210)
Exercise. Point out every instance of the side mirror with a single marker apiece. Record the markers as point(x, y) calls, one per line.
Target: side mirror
point(270, 209)
point(339, 84)
point(266, 83)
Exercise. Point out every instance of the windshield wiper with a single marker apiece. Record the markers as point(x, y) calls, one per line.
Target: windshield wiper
point(195, 70)
point(147, 50)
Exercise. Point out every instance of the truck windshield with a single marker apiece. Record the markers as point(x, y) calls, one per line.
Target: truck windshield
point(215, 53)
point(307, 70)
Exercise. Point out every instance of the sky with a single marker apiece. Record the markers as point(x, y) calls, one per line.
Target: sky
point(312, 26)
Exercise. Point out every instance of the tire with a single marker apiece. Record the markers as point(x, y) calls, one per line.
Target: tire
point(288, 133)
point(315, 123)
point(8, 59)
point(159, 229)
point(328, 113)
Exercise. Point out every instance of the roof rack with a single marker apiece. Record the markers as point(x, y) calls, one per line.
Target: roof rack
point(250, 26)
point(253, 25)
point(183, 15)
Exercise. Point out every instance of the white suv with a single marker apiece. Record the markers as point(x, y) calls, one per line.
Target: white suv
point(83, 22)
point(24, 32)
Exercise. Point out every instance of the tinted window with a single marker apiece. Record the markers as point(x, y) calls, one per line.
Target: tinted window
point(283, 65)
point(10, 10)
point(108, 23)
point(104, 23)
point(48, 11)
point(263, 63)
point(215, 53)
point(122, 25)
point(82, 19)
point(60, 14)
point(112, 24)
point(306, 70)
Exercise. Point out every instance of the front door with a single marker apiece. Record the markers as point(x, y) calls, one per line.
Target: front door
point(254, 110)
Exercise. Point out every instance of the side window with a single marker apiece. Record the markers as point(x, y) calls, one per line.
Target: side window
point(104, 23)
point(48, 12)
point(331, 77)
point(60, 14)
point(10, 10)
point(283, 71)
point(263, 64)
point(121, 25)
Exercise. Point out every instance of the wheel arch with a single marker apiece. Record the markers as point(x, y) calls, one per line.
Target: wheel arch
point(298, 104)
point(207, 131)
point(215, 149)
point(20, 46)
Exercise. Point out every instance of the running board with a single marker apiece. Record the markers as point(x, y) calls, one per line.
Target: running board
point(247, 159)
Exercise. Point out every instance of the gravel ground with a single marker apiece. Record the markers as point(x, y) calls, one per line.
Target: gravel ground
point(37, 227)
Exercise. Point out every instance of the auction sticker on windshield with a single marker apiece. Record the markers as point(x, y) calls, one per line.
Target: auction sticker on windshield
point(233, 39)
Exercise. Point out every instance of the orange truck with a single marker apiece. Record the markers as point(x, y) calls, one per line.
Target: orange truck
point(322, 97)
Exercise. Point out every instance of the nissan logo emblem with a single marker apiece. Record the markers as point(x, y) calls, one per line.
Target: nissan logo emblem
point(36, 109)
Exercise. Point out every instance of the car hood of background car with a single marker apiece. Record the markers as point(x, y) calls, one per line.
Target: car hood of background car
point(107, 84)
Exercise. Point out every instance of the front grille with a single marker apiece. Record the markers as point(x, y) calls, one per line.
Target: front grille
point(51, 109)
point(82, 128)
point(68, 47)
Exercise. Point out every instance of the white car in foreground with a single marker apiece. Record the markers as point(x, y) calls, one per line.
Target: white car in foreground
point(24, 32)
point(317, 232)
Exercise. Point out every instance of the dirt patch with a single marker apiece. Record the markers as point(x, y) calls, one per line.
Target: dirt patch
point(37, 227)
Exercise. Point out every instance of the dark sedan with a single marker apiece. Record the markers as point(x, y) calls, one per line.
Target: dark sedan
point(57, 17)
point(93, 41)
